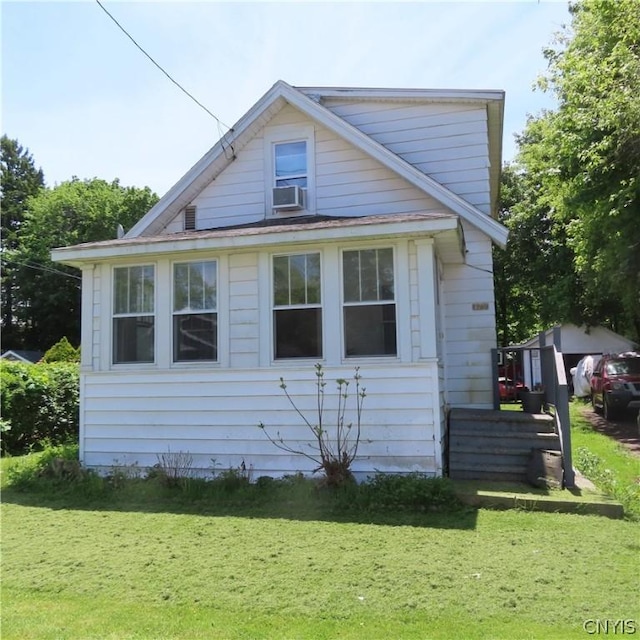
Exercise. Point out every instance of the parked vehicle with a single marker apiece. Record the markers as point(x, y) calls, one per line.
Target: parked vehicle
point(581, 375)
point(509, 389)
point(615, 384)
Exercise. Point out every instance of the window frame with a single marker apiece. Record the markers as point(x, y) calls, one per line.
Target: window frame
point(274, 308)
point(395, 301)
point(295, 176)
point(194, 312)
point(284, 134)
point(121, 315)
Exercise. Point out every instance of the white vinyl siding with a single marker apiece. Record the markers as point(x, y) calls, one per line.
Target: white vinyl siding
point(470, 324)
point(213, 415)
point(347, 182)
point(448, 142)
point(243, 318)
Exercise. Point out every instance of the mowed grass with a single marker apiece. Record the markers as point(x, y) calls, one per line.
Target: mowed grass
point(148, 564)
point(615, 456)
point(606, 462)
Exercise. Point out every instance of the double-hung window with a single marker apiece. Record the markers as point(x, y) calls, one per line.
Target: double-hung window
point(133, 314)
point(290, 164)
point(297, 310)
point(195, 311)
point(369, 302)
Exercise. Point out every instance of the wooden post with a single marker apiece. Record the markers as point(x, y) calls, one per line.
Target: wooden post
point(494, 375)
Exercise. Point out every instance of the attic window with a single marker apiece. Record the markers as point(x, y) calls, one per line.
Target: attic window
point(291, 164)
point(190, 218)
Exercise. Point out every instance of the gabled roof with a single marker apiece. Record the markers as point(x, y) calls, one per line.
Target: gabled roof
point(22, 355)
point(594, 339)
point(307, 100)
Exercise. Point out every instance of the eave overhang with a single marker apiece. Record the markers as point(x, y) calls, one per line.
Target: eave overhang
point(444, 228)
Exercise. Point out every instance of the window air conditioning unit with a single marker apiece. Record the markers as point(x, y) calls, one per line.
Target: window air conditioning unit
point(288, 198)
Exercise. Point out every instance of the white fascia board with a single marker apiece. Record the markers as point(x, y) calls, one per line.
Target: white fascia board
point(497, 232)
point(263, 237)
point(440, 95)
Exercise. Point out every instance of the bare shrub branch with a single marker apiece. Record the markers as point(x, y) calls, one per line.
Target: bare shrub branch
point(333, 449)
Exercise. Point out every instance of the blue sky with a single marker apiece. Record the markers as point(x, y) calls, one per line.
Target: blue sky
point(87, 103)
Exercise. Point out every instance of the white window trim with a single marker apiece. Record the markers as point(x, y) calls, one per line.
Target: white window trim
point(173, 313)
point(279, 135)
point(401, 301)
point(272, 307)
point(109, 345)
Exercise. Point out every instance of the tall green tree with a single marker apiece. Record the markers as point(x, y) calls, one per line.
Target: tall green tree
point(19, 181)
point(582, 163)
point(73, 212)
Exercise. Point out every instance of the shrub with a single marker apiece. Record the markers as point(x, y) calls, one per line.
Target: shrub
point(334, 447)
point(38, 402)
point(62, 351)
point(414, 491)
point(54, 463)
point(173, 469)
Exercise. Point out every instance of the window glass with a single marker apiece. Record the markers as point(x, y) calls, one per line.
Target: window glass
point(195, 318)
point(291, 164)
point(369, 302)
point(297, 312)
point(298, 333)
point(133, 309)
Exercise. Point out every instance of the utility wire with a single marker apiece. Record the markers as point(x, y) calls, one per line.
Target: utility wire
point(40, 267)
point(126, 33)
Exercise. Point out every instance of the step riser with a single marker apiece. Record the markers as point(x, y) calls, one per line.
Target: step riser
point(489, 462)
point(496, 446)
point(488, 475)
point(506, 435)
point(493, 444)
point(495, 452)
point(501, 427)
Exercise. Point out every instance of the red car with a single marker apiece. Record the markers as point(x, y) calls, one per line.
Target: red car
point(509, 390)
point(615, 384)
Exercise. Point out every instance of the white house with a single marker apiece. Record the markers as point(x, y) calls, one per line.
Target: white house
point(351, 227)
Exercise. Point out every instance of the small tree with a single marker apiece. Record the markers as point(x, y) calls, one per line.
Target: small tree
point(332, 449)
point(62, 351)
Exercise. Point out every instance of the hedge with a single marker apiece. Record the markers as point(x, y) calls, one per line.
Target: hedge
point(39, 403)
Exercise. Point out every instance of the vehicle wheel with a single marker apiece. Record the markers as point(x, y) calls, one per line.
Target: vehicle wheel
point(608, 412)
point(594, 406)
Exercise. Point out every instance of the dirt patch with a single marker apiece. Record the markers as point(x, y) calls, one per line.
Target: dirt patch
point(625, 430)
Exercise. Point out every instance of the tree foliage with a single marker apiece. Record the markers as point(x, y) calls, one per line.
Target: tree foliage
point(578, 222)
point(19, 181)
point(62, 351)
point(71, 213)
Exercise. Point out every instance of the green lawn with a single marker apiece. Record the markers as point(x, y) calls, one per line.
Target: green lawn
point(154, 564)
point(611, 467)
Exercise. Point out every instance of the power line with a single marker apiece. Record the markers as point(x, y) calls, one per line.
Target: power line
point(40, 267)
point(126, 33)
